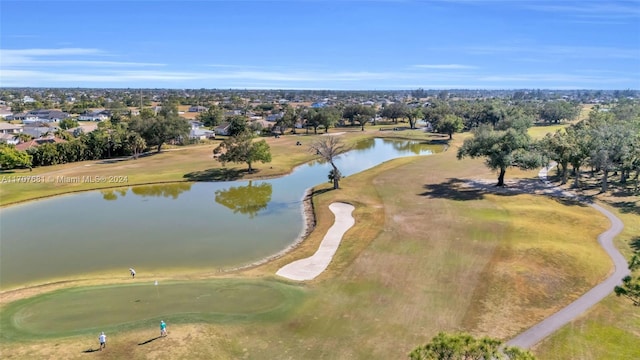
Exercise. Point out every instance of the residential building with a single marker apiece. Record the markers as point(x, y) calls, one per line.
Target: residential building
point(95, 115)
point(198, 109)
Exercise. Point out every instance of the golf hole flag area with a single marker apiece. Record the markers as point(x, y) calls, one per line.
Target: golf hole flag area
point(116, 307)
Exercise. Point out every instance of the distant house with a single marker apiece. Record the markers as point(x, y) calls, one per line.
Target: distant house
point(233, 113)
point(38, 142)
point(196, 124)
point(18, 116)
point(83, 128)
point(41, 115)
point(223, 129)
point(10, 139)
point(5, 113)
point(95, 115)
point(201, 134)
point(198, 109)
point(275, 117)
point(6, 128)
point(38, 131)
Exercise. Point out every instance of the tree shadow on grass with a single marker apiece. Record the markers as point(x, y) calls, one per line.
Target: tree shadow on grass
point(635, 243)
point(627, 207)
point(218, 174)
point(150, 340)
point(453, 189)
point(465, 190)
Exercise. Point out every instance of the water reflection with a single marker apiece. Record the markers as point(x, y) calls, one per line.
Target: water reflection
point(246, 200)
point(407, 146)
point(112, 194)
point(172, 190)
point(364, 144)
point(162, 190)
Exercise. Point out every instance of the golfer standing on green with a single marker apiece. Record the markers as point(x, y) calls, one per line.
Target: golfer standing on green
point(163, 328)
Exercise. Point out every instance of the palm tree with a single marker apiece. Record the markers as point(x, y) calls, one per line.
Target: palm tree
point(23, 137)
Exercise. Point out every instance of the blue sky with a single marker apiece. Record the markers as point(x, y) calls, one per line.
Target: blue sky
point(343, 45)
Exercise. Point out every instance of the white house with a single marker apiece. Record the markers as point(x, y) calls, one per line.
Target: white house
point(6, 128)
point(198, 109)
point(223, 129)
point(96, 115)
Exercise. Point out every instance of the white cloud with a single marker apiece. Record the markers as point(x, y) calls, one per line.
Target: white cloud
point(51, 52)
point(591, 9)
point(569, 51)
point(10, 58)
point(445, 66)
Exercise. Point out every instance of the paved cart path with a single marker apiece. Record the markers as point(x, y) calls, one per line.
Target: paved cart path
point(554, 322)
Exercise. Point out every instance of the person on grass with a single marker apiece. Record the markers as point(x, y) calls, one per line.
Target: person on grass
point(163, 328)
point(103, 340)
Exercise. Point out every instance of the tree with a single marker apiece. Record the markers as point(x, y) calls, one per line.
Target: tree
point(358, 112)
point(237, 125)
point(503, 149)
point(630, 287)
point(556, 111)
point(212, 117)
point(11, 158)
point(579, 138)
point(464, 346)
point(449, 125)
point(608, 146)
point(328, 117)
point(395, 111)
point(328, 149)
point(68, 123)
point(558, 148)
point(413, 115)
point(135, 144)
point(23, 137)
point(242, 149)
point(436, 111)
point(160, 129)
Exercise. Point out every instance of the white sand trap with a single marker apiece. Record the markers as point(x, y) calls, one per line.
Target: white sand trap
point(309, 268)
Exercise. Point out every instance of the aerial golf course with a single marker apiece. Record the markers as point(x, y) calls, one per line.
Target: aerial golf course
point(426, 254)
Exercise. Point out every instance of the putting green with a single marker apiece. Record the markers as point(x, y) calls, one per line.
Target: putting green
point(73, 311)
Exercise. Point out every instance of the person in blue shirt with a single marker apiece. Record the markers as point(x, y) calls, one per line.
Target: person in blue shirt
point(163, 328)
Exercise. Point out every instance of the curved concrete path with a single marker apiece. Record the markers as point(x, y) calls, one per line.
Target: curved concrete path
point(554, 322)
point(309, 268)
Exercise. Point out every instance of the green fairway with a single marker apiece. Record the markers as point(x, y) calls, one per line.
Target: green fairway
point(117, 307)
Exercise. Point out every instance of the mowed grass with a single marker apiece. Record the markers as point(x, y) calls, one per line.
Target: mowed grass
point(609, 330)
point(426, 255)
point(117, 307)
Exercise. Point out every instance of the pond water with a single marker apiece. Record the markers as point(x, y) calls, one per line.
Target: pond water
point(158, 227)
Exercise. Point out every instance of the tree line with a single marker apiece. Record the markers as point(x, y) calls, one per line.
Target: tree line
point(608, 142)
point(118, 137)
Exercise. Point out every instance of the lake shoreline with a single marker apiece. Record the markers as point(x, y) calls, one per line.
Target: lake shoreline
point(309, 224)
